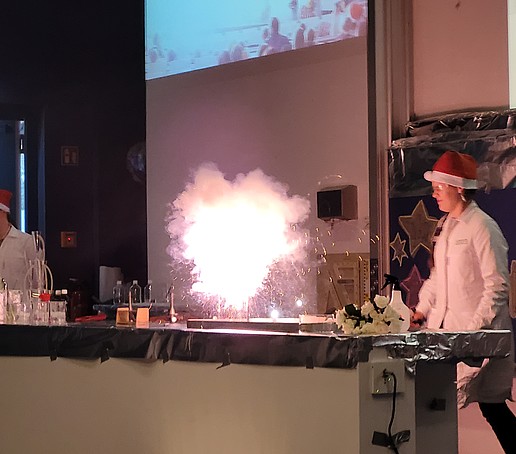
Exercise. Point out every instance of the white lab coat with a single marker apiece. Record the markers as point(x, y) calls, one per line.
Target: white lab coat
point(468, 290)
point(15, 252)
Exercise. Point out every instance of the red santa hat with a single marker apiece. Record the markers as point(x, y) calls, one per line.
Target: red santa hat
point(5, 199)
point(455, 169)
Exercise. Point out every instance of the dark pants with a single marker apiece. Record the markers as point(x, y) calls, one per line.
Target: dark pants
point(503, 422)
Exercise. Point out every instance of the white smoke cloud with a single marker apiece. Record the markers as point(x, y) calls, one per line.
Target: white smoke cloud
point(232, 233)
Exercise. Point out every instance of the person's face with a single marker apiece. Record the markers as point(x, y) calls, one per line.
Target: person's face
point(274, 25)
point(448, 197)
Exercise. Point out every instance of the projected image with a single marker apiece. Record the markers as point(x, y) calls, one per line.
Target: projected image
point(187, 36)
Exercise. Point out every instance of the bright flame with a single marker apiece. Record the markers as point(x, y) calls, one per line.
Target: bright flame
point(233, 232)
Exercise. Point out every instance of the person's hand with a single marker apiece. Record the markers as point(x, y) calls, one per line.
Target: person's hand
point(417, 319)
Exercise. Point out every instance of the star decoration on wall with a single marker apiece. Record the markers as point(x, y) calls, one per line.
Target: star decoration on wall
point(412, 284)
point(399, 248)
point(420, 228)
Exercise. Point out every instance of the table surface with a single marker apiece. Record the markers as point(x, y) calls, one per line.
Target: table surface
point(166, 342)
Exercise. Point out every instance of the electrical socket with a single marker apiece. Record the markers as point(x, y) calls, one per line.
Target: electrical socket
point(381, 384)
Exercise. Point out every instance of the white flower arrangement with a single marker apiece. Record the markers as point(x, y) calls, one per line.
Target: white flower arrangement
point(377, 317)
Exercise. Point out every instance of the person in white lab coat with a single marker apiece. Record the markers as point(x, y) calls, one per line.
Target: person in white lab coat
point(16, 248)
point(468, 288)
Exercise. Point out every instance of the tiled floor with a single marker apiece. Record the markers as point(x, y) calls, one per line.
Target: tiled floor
point(475, 435)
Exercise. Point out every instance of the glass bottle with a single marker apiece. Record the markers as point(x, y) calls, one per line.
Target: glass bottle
point(135, 295)
point(147, 293)
point(118, 294)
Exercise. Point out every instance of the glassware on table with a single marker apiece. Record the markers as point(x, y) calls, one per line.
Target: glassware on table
point(40, 309)
point(24, 312)
point(118, 294)
point(11, 306)
point(57, 312)
point(147, 293)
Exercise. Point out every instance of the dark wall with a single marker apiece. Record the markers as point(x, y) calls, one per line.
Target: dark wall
point(7, 160)
point(78, 69)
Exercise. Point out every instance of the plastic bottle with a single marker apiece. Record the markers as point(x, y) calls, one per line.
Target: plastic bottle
point(135, 295)
point(118, 294)
point(397, 301)
point(147, 293)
